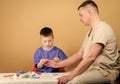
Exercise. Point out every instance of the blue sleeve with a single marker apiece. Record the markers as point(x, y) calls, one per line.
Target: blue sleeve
point(62, 55)
point(36, 57)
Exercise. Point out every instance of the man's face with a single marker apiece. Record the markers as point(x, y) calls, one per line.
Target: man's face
point(84, 16)
point(47, 42)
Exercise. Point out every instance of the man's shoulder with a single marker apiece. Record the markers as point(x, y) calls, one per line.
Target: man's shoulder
point(104, 25)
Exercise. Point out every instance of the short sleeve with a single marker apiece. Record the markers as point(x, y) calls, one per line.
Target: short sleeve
point(62, 55)
point(37, 56)
point(100, 35)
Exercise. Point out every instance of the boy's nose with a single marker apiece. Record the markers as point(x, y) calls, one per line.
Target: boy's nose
point(48, 43)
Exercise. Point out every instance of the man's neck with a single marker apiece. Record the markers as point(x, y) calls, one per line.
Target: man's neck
point(96, 19)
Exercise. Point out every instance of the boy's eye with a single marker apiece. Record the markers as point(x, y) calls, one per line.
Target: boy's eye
point(49, 41)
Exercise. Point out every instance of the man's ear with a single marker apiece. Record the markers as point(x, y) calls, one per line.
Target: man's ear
point(90, 12)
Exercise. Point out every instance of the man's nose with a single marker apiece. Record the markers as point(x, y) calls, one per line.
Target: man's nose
point(80, 19)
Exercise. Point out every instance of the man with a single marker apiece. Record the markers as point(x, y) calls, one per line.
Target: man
point(98, 56)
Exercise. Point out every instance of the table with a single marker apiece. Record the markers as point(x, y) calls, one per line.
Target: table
point(44, 78)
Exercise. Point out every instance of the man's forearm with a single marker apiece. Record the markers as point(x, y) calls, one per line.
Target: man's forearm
point(69, 61)
point(83, 66)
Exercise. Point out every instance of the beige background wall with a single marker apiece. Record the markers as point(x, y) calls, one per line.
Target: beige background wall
point(21, 20)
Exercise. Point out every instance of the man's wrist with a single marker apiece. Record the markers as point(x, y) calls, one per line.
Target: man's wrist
point(56, 66)
point(72, 75)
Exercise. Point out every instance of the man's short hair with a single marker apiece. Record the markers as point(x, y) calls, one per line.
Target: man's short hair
point(89, 2)
point(46, 31)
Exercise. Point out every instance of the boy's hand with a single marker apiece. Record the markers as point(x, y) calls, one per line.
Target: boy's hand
point(56, 59)
point(41, 63)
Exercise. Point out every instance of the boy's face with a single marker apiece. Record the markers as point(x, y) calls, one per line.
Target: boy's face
point(47, 42)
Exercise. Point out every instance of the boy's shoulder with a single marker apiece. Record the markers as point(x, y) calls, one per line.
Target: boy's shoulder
point(57, 48)
point(39, 49)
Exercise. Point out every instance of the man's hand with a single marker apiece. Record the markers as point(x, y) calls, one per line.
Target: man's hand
point(51, 63)
point(64, 79)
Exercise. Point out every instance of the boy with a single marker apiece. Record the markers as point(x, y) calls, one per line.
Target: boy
point(47, 52)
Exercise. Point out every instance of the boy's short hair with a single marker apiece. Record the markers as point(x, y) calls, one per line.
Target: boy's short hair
point(89, 2)
point(46, 31)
